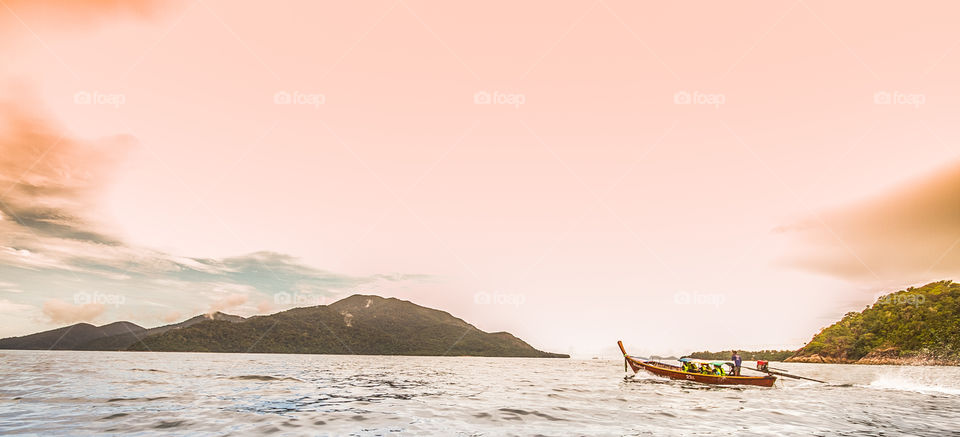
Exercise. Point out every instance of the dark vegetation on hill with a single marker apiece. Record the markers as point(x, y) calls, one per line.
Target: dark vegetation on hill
point(359, 324)
point(115, 336)
point(70, 337)
point(356, 325)
point(912, 326)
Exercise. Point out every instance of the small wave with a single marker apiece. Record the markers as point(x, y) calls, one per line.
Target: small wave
point(520, 412)
point(902, 384)
point(264, 378)
point(171, 424)
point(144, 381)
point(137, 399)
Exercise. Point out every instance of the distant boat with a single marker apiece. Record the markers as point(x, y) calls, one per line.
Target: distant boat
point(676, 372)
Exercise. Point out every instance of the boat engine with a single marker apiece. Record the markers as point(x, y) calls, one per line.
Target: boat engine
point(762, 365)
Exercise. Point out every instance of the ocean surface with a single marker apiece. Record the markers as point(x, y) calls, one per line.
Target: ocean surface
point(81, 393)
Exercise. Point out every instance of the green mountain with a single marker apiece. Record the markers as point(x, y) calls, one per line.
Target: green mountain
point(912, 326)
point(124, 340)
point(359, 324)
point(115, 336)
point(71, 337)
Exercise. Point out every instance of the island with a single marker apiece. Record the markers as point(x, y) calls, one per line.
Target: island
point(359, 324)
point(918, 326)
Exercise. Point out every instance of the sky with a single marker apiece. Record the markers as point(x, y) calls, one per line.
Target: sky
point(679, 176)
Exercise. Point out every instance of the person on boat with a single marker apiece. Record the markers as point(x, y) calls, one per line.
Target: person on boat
point(736, 363)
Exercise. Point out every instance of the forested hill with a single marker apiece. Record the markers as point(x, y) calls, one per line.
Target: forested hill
point(912, 326)
point(359, 324)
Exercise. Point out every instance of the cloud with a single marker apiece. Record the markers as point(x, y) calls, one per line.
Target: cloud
point(52, 243)
point(264, 307)
point(48, 180)
point(72, 14)
point(227, 302)
point(49, 187)
point(170, 317)
point(8, 307)
point(97, 7)
point(62, 312)
point(912, 232)
point(9, 287)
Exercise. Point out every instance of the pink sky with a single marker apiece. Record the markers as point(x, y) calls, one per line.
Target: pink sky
point(597, 201)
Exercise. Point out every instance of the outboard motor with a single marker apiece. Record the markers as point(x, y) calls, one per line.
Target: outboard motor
point(762, 366)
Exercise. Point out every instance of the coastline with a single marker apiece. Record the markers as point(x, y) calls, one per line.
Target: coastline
point(877, 360)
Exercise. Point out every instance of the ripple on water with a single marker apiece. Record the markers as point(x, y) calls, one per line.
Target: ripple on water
point(535, 413)
point(264, 378)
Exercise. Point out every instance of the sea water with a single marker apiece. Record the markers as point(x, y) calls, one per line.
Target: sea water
point(145, 393)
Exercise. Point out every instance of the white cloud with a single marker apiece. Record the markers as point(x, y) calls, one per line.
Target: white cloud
point(7, 307)
point(59, 311)
point(227, 302)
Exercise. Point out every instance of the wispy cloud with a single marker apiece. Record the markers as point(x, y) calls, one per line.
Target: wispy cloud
point(909, 234)
point(59, 311)
point(52, 247)
point(73, 13)
point(47, 179)
point(227, 302)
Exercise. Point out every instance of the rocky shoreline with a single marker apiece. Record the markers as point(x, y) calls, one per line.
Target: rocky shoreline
point(886, 356)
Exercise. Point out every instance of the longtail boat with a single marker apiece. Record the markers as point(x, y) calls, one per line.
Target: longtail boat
point(677, 372)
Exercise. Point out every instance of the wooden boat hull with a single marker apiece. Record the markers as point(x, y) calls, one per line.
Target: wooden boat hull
point(676, 372)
